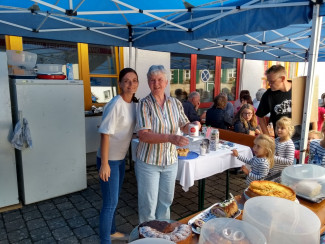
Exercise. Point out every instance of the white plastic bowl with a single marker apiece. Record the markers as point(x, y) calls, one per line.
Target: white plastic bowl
point(282, 221)
point(21, 58)
point(49, 68)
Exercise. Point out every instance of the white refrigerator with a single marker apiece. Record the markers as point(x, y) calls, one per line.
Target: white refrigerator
point(8, 175)
point(56, 163)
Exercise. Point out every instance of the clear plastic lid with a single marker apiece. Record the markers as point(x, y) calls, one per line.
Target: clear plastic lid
point(227, 230)
point(282, 221)
point(307, 180)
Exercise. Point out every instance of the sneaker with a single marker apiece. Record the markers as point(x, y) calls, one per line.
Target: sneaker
point(119, 236)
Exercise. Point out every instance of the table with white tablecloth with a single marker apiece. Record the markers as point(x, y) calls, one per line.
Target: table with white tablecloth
point(190, 170)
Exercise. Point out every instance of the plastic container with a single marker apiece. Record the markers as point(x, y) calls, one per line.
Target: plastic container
point(49, 69)
point(282, 221)
point(226, 230)
point(152, 241)
point(23, 59)
point(307, 180)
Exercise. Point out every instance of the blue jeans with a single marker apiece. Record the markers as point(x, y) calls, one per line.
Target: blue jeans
point(110, 194)
point(156, 185)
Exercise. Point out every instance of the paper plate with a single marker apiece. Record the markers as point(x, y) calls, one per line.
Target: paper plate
point(190, 155)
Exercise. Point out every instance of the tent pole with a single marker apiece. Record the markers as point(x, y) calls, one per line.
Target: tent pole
point(310, 83)
point(242, 68)
point(130, 54)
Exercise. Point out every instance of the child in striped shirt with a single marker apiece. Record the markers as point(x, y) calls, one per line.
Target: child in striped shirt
point(263, 160)
point(317, 150)
point(284, 147)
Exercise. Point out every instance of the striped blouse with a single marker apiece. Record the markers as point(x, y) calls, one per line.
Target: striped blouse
point(166, 120)
point(259, 168)
point(316, 153)
point(284, 155)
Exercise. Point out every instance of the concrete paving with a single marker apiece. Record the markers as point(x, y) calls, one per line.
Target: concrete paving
point(74, 218)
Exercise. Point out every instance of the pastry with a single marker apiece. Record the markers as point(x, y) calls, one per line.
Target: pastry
point(226, 209)
point(182, 151)
point(176, 232)
point(270, 188)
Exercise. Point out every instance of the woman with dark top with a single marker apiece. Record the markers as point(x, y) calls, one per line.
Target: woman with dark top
point(216, 116)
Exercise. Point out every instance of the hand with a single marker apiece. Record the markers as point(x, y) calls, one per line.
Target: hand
point(245, 170)
point(234, 152)
point(251, 133)
point(257, 132)
point(104, 172)
point(197, 105)
point(180, 141)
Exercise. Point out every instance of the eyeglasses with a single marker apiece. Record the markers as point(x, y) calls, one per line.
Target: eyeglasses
point(247, 114)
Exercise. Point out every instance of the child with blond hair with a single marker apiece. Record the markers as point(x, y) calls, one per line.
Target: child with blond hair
point(284, 146)
point(263, 160)
point(312, 135)
point(317, 150)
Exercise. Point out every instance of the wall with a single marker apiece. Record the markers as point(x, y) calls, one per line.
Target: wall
point(141, 60)
point(320, 67)
point(252, 74)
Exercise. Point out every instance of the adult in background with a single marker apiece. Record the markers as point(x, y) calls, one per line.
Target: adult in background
point(216, 115)
point(191, 105)
point(158, 119)
point(116, 130)
point(258, 97)
point(277, 99)
point(229, 109)
point(238, 102)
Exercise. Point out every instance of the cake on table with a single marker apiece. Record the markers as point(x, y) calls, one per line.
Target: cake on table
point(226, 209)
point(176, 231)
point(270, 188)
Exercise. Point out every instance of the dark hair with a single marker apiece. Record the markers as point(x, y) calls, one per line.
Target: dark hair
point(220, 101)
point(247, 98)
point(125, 71)
point(278, 68)
point(242, 93)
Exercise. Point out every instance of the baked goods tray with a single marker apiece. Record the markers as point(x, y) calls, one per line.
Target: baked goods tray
point(316, 199)
point(206, 215)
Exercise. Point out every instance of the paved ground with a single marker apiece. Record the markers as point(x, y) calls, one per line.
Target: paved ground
point(74, 218)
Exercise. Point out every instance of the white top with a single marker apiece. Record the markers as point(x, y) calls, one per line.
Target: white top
point(118, 122)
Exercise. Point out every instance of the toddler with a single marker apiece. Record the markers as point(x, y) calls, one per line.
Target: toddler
point(312, 135)
point(317, 150)
point(284, 147)
point(263, 160)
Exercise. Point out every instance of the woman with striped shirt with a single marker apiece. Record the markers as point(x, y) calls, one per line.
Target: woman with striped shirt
point(159, 117)
point(284, 147)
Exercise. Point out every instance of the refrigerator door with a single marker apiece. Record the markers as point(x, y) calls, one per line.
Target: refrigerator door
point(8, 175)
point(56, 164)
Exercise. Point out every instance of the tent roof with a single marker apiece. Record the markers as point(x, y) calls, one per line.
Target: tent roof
point(194, 26)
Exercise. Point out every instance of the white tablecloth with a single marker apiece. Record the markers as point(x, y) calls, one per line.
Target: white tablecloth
point(204, 166)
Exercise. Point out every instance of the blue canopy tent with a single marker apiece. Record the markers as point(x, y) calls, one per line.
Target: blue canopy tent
point(286, 30)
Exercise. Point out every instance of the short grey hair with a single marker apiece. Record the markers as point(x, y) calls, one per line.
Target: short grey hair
point(193, 94)
point(154, 69)
point(260, 93)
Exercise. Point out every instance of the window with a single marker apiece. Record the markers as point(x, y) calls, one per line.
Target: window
point(103, 73)
point(205, 77)
point(54, 52)
point(229, 77)
point(180, 76)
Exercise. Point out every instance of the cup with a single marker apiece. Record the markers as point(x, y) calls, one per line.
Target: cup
point(202, 151)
